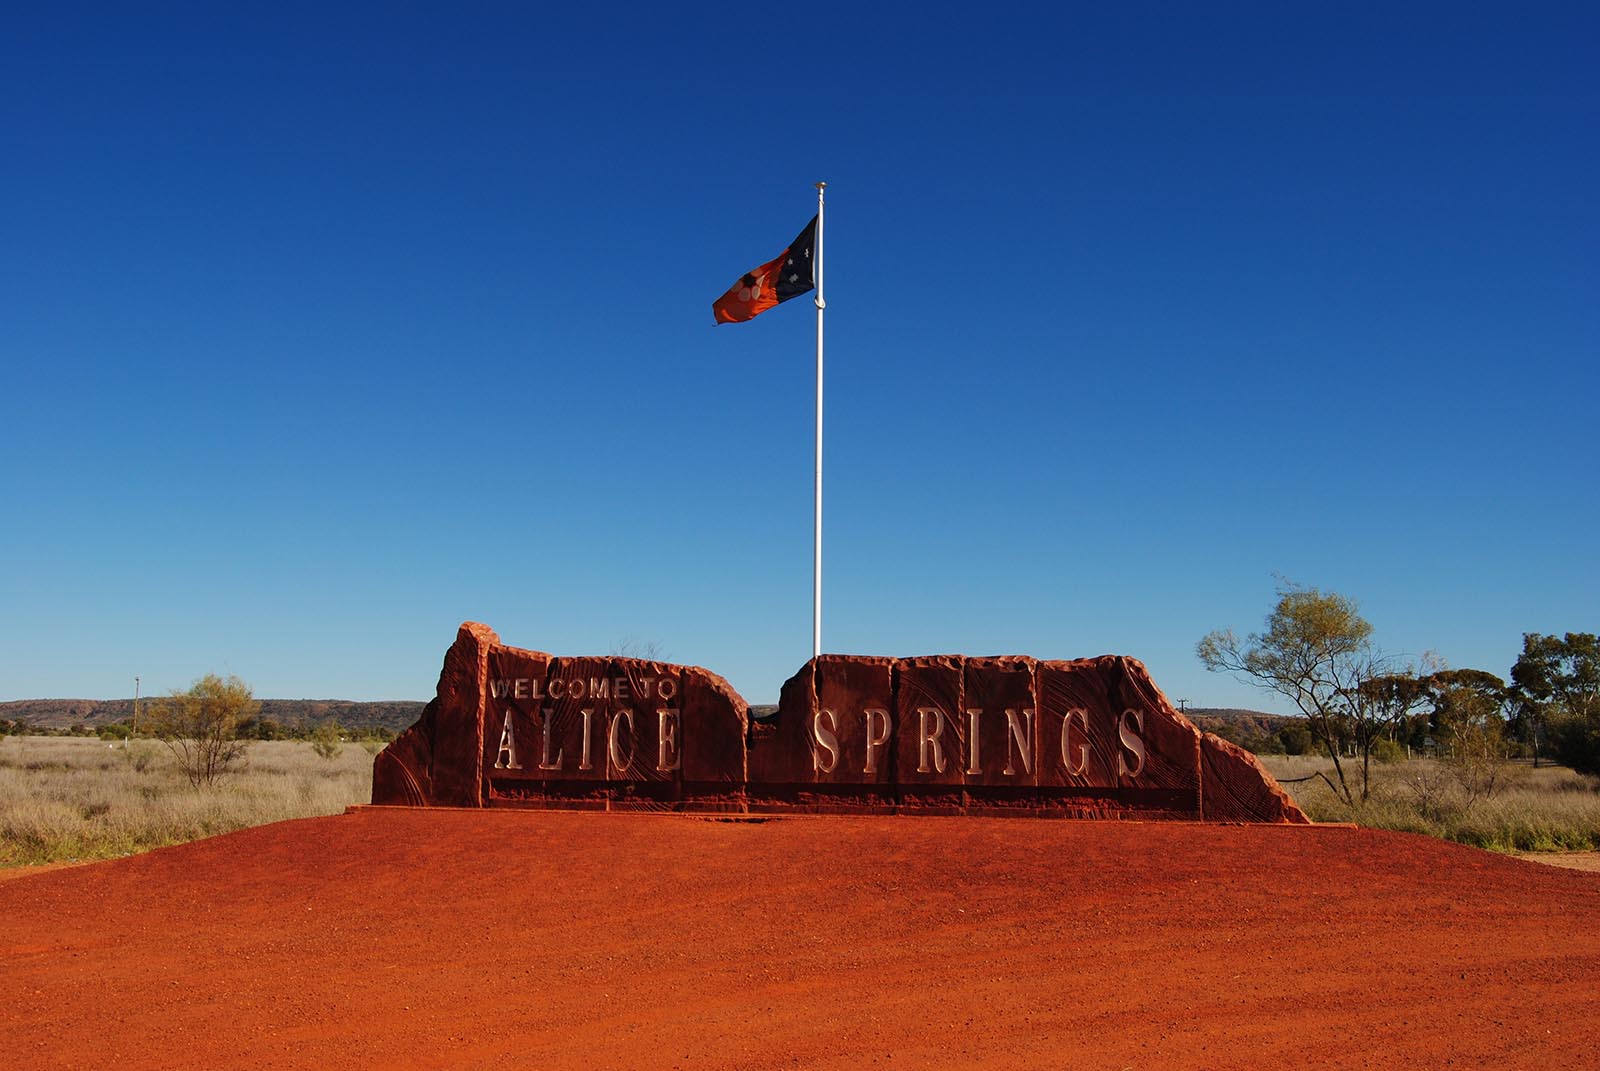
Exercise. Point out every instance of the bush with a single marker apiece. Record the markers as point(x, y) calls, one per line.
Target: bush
point(139, 756)
point(1388, 751)
point(327, 740)
point(201, 726)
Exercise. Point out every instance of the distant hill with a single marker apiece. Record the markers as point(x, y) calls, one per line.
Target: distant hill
point(1254, 729)
point(1255, 720)
point(1230, 722)
point(63, 713)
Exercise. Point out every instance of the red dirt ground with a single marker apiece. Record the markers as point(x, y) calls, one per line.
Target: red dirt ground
point(459, 939)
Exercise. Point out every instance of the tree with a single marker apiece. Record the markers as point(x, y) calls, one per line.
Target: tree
point(200, 726)
point(1556, 684)
point(1471, 729)
point(633, 647)
point(1445, 686)
point(1393, 697)
point(1458, 697)
point(1296, 739)
point(1317, 652)
point(260, 728)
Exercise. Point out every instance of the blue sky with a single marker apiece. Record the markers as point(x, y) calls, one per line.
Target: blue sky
point(322, 333)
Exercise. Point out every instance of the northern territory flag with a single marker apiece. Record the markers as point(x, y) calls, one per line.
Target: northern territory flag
point(789, 274)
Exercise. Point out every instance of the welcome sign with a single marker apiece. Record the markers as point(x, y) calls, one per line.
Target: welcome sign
point(943, 734)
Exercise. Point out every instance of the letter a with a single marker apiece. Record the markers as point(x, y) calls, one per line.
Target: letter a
point(507, 758)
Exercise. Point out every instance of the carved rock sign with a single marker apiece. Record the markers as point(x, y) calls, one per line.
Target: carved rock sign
point(939, 734)
point(510, 726)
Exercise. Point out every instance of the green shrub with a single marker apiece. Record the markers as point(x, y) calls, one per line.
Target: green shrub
point(327, 740)
point(139, 756)
point(200, 726)
point(1387, 751)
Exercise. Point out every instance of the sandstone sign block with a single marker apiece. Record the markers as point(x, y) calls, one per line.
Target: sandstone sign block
point(930, 754)
point(831, 750)
point(936, 734)
point(1239, 789)
point(512, 727)
point(714, 750)
point(1000, 707)
point(999, 735)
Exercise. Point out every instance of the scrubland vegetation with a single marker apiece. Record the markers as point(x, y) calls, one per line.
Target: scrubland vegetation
point(200, 769)
point(1412, 746)
point(1367, 716)
point(1549, 808)
point(72, 798)
point(75, 798)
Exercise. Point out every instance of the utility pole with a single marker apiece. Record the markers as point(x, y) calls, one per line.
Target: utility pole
point(133, 732)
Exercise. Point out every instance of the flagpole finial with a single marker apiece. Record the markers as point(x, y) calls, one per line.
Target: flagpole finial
point(822, 185)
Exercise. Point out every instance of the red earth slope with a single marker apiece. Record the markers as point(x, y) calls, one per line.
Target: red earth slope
point(470, 939)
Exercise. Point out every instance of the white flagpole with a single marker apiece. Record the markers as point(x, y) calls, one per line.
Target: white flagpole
point(816, 562)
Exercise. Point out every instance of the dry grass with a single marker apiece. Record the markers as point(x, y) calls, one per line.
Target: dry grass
point(69, 798)
point(1547, 809)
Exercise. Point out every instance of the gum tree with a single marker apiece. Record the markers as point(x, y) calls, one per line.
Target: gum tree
point(1557, 684)
point(1468, 717)
point(1316, 651)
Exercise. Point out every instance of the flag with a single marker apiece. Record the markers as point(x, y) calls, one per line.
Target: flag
point(789, 274)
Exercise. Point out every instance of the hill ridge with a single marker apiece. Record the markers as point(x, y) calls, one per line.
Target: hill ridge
point(393, 714)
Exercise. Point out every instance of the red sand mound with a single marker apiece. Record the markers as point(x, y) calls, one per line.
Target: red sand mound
point(477, 939)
